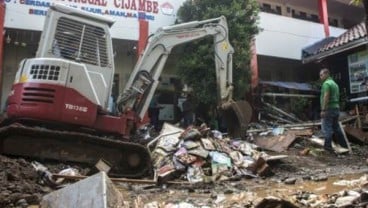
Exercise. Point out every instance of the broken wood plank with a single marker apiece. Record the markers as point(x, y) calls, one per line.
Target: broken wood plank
point(275, 143)
point(306, 124)
point(359, 122)
point(121, 180)
point(302, 132)
point(345, 137)
point(279, 118)
point(282, 112)
point(270, 158)
point(357, 134)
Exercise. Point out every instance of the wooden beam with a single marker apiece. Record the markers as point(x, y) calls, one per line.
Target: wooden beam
point(345, 137)
point(121, 180)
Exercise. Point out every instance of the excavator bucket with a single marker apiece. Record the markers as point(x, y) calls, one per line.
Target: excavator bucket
point(237, 116)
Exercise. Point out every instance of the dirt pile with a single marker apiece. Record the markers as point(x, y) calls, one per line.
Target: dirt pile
point(19, 183)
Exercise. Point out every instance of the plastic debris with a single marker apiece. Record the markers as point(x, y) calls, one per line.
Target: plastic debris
point(195, 174)
point(278, 131)
point(207, 144)
point(44, 174)
point(200, 155)
point(191, 133)
point(216, 134)
point(67, 172)
point(220, 158)
point(168, 143)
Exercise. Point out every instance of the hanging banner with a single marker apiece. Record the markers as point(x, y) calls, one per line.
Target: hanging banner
point(358, 72)
point(30, 14)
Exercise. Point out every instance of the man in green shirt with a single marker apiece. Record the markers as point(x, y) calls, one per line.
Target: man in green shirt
point(330, 110)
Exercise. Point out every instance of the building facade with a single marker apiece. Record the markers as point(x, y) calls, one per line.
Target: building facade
point(287, 26)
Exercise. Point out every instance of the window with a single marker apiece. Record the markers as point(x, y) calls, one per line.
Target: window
point(293, 13)
point(268, 8)
point(81, 42)
point(314, 18)
point(303, 15)
point(333, 22)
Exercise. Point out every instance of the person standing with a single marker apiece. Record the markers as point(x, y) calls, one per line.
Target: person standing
point(154, 112)
point(330, 110)
point(188, 111)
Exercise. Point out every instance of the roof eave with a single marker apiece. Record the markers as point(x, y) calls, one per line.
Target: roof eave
point(339, 49)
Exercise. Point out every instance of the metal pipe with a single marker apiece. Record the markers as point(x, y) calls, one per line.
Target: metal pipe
point(271, 94)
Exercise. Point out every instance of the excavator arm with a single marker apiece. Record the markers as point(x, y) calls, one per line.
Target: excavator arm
point(144, 79)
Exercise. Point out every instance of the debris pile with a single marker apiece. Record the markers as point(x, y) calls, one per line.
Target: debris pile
point(280, 103)
point(357, 197)
point(348, 196)
point(204, 155)
point(19, 183)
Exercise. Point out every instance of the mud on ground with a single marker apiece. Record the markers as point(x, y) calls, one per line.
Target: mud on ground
point(297, 174)
point(21, 185)
point(318, 163)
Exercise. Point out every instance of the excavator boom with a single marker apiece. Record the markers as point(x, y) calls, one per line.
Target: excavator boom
point(144, 79)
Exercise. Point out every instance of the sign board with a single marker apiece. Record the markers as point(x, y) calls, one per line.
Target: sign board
point(30, 14)
point(358, 72)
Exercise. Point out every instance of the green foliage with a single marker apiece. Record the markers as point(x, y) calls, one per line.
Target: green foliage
point(356, 2)
point(298, 105)
point(196, 64)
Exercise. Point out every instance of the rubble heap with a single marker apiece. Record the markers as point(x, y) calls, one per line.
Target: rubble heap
point(201, 155)
point(19, 185)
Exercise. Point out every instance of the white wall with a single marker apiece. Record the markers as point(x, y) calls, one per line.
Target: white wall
point(30, 14)
point(285, 37)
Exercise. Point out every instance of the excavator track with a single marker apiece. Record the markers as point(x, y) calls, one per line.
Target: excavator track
point(126, 159)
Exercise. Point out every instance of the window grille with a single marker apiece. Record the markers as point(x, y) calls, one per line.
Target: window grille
point(81, 42)
point(45, 72)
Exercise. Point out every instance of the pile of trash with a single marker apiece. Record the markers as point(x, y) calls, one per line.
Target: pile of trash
point(199, 154)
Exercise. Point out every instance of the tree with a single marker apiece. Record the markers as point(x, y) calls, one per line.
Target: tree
point(196, 65)
point(365, 4)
